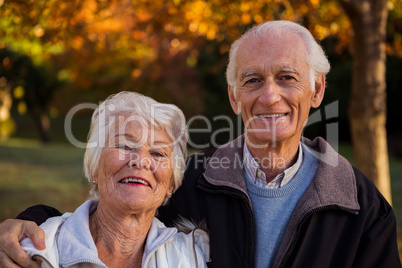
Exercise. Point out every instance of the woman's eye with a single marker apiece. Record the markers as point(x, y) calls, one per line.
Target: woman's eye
point(157, 154)
point(124, 147)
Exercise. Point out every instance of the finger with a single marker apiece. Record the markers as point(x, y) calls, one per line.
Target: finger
point(10, 235)
point(37, 235)
point(6, 262)
point(14, 252)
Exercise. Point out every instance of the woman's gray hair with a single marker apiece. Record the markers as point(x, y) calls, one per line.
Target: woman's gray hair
point(144, 110)
point(316, 58)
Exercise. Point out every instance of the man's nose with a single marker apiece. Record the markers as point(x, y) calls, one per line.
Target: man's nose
point(139, 160)
point(270, 93)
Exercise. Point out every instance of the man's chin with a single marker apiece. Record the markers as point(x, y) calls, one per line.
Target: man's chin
point(262, 139)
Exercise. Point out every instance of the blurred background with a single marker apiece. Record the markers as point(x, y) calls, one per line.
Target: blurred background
point(56, 54)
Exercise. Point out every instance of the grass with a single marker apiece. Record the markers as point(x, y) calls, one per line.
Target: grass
point(32, 173)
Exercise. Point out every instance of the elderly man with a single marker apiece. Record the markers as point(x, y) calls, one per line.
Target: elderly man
point(272, 198)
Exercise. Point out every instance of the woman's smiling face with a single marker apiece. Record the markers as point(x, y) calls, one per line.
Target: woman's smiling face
point(135, 168)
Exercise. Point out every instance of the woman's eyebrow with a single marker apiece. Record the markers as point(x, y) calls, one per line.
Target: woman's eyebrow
point(125, 135)
point(162, 144)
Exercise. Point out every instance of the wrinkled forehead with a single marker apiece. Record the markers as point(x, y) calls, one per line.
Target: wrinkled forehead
point(266, 50)
point(269, 42)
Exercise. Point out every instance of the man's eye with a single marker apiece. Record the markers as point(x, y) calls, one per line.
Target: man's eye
point(287, 77)
point(252, 81)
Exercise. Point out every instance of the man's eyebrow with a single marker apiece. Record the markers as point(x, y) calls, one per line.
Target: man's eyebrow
point(284, 68)
point(247, 73)
point(288, 69)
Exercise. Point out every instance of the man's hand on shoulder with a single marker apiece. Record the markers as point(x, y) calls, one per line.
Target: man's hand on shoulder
point(11, 233)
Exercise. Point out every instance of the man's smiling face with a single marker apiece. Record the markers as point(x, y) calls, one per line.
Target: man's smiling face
point(274, 91)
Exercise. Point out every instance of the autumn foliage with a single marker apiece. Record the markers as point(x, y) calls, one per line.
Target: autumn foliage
point(155, 47)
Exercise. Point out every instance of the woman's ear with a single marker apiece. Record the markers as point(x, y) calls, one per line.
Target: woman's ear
point(171, 188)
point(94, 177)
point(319, 90)
point(233, 102)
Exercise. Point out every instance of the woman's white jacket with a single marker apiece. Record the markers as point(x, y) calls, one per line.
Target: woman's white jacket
point(69, 243)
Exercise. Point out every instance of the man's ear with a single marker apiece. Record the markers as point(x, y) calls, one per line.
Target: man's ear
point(233, 102)
point(319, 90)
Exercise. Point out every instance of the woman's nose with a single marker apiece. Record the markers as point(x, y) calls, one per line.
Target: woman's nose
point(139, 160)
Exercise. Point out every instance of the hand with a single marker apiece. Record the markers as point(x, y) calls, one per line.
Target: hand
point(11, 232)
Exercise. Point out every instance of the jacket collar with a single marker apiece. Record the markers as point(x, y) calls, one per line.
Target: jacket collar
point(76, 243)
point(225, 167)
point(334, 183)
point(75, 240)
point(158, 234)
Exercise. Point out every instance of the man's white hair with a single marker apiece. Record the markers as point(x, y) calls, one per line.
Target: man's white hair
point(316, 58)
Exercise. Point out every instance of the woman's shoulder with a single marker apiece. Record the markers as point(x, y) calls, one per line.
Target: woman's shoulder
point(195, 243)
point(187, 244)
point(193, 238)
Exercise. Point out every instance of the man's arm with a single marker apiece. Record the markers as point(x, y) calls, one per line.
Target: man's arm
point(379, 247)
point(38, 214)
point(14, 230)
point(378, 244)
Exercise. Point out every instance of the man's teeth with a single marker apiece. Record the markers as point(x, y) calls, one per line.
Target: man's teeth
point(133, 180)
point(270, 115)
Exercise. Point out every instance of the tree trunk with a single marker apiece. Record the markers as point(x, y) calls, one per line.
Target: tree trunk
point(367, 107)
point(42, 124)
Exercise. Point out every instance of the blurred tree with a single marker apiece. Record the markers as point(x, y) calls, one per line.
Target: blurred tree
point(31, 88)
point(6, 122)
point(367, 110)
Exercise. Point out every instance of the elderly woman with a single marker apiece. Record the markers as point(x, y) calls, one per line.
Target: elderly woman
point(135, 159)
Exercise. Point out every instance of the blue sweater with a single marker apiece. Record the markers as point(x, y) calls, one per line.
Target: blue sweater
point(273, 207)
